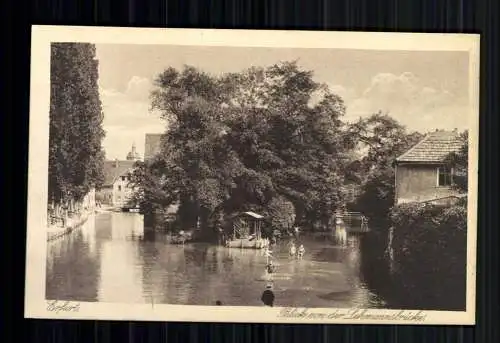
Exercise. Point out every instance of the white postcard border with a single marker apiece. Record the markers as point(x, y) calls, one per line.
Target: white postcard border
point(36, 305)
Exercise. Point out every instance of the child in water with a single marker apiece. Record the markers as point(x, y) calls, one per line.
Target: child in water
point(270, 268)
point(268, 253)
point(301, 251)
point(293, 250)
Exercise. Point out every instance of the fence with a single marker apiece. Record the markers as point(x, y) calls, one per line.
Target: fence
point(60, 213)
point(355, 221)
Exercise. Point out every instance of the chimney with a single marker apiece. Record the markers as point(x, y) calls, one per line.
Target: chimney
point(116, 163)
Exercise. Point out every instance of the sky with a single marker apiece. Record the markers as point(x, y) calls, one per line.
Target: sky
point(422, 90)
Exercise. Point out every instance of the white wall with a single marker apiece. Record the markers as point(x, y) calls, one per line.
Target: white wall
point(121, 191)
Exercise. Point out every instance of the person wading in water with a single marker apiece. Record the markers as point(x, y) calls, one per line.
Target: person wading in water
point(270, 268)
point(293, 249)
point(301, 252)
point(268, 296)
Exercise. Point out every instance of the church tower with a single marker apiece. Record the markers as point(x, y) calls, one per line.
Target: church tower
point(133, 155)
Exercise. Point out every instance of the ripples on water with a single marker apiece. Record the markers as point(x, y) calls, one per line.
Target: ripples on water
point(112, 259)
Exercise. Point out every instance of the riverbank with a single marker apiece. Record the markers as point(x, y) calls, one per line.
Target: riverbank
point(105, 209)
point(55, 231)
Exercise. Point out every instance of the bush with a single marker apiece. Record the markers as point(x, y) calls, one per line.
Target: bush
point(430, 250)
point(281, 213)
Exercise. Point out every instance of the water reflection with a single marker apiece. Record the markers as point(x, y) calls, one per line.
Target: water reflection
point(73, 266)
point(113, 258)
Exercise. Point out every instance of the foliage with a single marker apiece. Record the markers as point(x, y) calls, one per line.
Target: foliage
point(75, 154)
point(281, 213)
point(152, 189)
point(242, 140)
point(430, 249)
point(384, 139)
point(460, 162)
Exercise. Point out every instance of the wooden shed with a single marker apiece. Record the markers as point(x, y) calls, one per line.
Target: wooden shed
point(247, 231)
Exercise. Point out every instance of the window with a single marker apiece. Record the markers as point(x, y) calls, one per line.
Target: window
point(123, 178)
point(445, 177)
point(119, 188)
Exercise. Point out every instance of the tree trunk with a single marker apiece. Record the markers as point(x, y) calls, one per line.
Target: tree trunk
point(188, 214)
point(204, 223)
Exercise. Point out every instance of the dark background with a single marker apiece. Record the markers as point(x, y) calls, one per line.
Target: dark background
point(369, 15)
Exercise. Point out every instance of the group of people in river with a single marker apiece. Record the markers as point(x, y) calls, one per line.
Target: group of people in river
point(295, 251)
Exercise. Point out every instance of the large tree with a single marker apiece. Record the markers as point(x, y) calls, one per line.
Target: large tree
point(75, 155)
point(382, 139)
point(251, 139)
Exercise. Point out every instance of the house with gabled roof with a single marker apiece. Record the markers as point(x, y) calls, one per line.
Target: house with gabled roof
point(116, 189)
point(421, 174)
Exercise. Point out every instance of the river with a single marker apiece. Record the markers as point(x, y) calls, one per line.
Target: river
point(110, 259)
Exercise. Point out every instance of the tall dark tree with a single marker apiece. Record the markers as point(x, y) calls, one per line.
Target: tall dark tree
point(75, 155)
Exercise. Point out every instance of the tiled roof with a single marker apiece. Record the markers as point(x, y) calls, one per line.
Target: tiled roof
point(434, 147)
point(115, 169)
point(152, 145)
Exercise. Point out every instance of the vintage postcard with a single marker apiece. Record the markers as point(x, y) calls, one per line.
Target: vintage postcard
point(252, 176)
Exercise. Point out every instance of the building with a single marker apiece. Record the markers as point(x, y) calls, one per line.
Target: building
point(152, 145)
point(133, 155)
point(421, 174)
point(116, 190)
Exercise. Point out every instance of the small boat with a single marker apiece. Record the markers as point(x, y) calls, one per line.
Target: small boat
point(130, 209)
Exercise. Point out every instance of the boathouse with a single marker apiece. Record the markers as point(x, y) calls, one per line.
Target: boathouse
point(421, 174)
point(247, 231)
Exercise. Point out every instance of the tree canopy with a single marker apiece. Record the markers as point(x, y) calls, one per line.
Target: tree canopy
point(271, 140)
point(75, 155)
point(253, 140)
point(383, 139)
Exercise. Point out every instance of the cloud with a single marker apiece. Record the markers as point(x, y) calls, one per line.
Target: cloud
point(346, 94)
point(404, 97)
point(127, 117)
point(138, 88)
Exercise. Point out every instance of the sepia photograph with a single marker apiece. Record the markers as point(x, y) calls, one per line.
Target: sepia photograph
point(244, 176)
